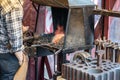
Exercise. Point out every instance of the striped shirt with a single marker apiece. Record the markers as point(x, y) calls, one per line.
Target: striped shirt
point(11, 36)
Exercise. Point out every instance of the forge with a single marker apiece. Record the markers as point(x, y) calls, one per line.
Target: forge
point(73, 23)
point(77, 21)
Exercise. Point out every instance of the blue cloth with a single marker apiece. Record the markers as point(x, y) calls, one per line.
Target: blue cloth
point(8, 66)
point(11, 31)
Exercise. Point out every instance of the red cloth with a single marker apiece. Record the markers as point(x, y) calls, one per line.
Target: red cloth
point(29, 18)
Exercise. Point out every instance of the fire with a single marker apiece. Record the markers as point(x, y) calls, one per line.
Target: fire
point(59, 30)
point(59, 34)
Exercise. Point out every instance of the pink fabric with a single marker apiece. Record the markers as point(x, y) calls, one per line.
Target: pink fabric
point(113, 23)
point(48, 20)
point(115, 8)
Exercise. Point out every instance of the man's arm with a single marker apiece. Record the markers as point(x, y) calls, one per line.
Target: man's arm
point(14, 30)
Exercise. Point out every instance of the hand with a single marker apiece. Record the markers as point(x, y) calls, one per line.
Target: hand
point(25, 28)
point(20, 57)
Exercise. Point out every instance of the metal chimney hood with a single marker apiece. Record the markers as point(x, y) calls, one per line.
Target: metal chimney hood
point(65, 3)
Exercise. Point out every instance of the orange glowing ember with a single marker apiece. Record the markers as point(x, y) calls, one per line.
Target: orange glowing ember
point(59, 34)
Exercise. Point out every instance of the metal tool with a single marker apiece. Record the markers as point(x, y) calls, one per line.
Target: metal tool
point(99, 54)
point(81, 57)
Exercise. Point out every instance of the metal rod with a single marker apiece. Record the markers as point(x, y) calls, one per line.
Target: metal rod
point(106, 12)
point(37, 10)
point(99, 54)
point(36, 68)
point(113, 59)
